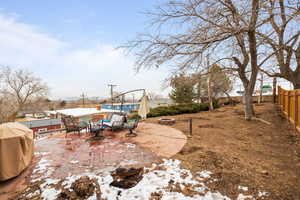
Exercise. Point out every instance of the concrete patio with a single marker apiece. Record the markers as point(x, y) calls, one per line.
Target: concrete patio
point(57, 156)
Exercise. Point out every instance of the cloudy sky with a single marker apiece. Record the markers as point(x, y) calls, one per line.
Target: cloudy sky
point(71, 44)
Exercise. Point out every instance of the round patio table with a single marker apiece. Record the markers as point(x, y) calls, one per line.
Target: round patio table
point(98, 132)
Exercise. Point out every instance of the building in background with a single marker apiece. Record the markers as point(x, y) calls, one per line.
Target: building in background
point(43, 125)
point(83, 114)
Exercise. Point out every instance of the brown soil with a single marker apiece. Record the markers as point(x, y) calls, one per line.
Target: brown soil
point(243, 153)
point(82, 188)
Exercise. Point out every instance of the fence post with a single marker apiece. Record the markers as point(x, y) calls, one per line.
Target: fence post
point(279, 95)
point(283, 92)
point(274, 90)
point(191, 127)
point(289, 105)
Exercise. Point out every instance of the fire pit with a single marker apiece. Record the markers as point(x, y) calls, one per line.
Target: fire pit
point(166, 121)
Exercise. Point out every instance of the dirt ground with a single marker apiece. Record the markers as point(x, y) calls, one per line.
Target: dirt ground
point(259, 156)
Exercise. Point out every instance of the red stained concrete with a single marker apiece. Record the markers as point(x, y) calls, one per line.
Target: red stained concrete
point(153, 142)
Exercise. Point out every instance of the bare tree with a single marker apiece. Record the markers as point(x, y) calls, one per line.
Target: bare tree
point(281, 38)
point(225, 29)
point(18, 88)
point(154, 96)
point(261, 80)
point(220, 81)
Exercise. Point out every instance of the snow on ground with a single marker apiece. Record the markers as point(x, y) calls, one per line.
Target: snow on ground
point(243, 188)
point(74, 161)
point(168, 180)
point(245, 197)
point(42, 170)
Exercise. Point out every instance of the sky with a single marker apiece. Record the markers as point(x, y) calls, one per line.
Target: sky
point(71, 45)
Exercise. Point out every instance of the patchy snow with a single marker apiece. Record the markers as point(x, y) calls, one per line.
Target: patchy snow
point(50, 193)
point(204, 174)
point(243, 188)
point(262, 194)
point(42, 166)
point(167, 179)
point(245, 197)
point(130, 145)
point(74, 161)
point(49, 181)
point(35, 193)
point(94, 197)
point(153, 181)
point(42, 170)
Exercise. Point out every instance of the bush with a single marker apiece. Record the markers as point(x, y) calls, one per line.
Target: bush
point(133, 116)
point(216, 103)
point(177, 109)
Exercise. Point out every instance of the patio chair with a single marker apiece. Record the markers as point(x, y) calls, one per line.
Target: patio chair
point(131, 126)
point(71, 124)
point(116, 122)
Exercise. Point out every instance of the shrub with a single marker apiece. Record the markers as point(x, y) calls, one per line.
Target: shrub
point(216, 103)
point(177, 109)
point(133, 116)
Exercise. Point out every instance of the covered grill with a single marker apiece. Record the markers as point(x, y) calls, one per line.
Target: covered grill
point(16, 149)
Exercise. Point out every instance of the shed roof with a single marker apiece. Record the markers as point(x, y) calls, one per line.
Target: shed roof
point(41, 123)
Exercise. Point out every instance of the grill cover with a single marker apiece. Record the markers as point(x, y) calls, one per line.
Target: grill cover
point(16, 149)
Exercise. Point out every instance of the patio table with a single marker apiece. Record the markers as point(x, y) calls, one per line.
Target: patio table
point(98, 130)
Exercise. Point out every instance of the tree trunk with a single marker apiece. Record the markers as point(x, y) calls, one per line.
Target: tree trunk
point(274, 89)
point(230, 100)
point(209, 92)
point(249, 109)
point(249, 85)
point(260, 99)
point(199, 92)
point(296, 84)
point(243, 99)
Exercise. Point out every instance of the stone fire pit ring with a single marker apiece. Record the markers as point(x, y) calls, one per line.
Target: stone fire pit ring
point(166, 121)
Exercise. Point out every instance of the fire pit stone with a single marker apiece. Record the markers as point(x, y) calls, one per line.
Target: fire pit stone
point(166, 121)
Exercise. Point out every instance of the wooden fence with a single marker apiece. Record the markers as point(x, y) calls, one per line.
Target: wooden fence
point(290, 103)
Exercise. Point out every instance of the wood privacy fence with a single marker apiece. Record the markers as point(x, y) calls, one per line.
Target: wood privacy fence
point(290, 102)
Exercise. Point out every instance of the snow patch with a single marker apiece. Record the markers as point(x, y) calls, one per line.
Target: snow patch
point(50, 193)
point(262, 194)
point(42, 170)
point(243, 188)
point(245, 197)
point(74, 161)
point(158, 180)
point(130, 145)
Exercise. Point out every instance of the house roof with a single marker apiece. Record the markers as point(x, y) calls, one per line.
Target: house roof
point(79, 112)
point(41, 123)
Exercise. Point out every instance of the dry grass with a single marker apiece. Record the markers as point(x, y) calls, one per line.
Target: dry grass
point(248, 153)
